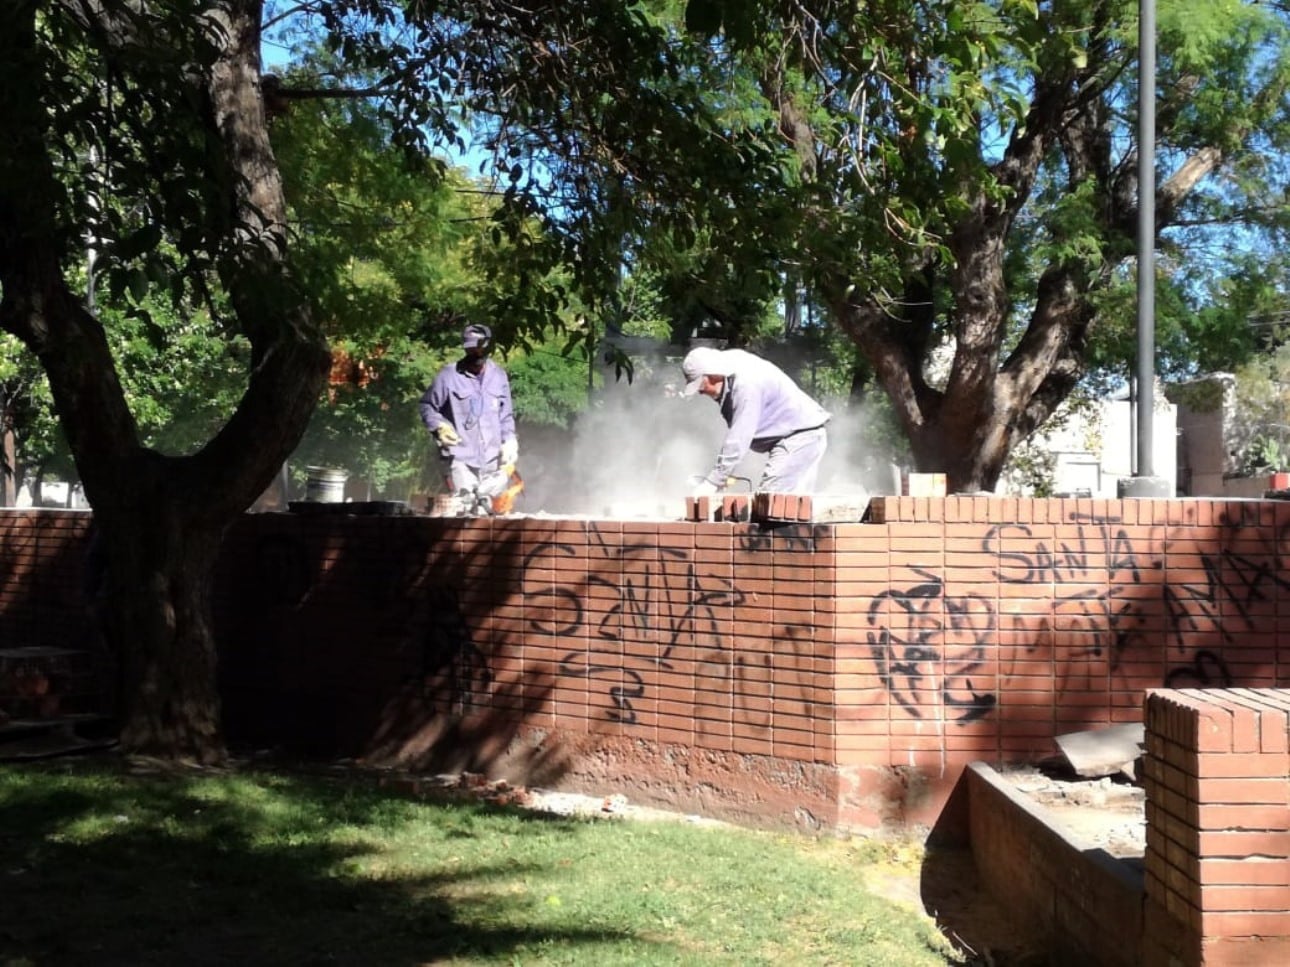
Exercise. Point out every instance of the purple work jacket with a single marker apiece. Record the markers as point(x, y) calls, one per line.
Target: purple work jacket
point(478, 407)
point(761, 405)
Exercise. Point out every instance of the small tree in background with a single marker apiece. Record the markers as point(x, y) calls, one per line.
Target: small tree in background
point(1261, 423)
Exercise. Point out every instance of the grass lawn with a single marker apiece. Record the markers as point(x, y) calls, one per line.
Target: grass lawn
point(101, 864)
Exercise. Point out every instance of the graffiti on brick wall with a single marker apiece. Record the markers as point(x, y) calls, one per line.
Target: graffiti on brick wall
point(1097, 615)
point(1206, 670)
point(416, 609)
point(637, 607)
point(917, 664)
point(785, 537)
point(1107, 602)
point(1225, 599)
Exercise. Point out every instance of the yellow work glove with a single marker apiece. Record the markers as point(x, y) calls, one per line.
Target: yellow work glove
point(446, 435)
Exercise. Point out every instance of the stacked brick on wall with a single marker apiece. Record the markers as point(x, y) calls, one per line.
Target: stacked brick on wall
point(1217, 777)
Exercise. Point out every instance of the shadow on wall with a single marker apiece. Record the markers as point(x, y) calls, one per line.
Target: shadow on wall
point(46, 581)
point(390, 647)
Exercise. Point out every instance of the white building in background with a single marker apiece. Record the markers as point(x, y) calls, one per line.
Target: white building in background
point(1198, 438)
point(53, 493)
point(1213, 438)
point(1094, 449)
point(1208, 439)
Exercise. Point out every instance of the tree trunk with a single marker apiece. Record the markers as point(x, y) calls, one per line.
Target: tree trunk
point(160, 518)
point(969, 444)
point(155, 607)
point(967, 428)
point(8, 459)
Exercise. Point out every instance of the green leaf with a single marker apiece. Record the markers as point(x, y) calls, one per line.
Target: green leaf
point(145, 239)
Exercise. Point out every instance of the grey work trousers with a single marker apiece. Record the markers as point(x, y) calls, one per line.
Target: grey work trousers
point(475, 481)
point(793, 462)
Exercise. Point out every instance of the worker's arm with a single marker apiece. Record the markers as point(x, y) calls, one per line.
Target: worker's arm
point(505, 410)
point(432, 406)
point(745, 411)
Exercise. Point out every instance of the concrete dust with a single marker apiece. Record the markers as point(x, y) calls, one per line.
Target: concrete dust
point(478, 787)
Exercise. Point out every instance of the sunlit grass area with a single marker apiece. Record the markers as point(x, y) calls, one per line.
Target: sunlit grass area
point(101, 865)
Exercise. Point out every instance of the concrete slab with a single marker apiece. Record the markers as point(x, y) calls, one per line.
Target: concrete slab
point(1104, 751)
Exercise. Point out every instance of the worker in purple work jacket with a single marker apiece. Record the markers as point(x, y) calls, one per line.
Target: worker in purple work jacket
point(468, 410)
point(766, 412)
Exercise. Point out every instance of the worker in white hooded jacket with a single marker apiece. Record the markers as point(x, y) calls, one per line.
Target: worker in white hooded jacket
point(766, 412)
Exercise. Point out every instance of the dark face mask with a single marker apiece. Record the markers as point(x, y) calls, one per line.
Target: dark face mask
point(475, 359)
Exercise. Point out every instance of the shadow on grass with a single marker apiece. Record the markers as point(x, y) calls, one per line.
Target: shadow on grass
point(97, 867)
point(984, 932)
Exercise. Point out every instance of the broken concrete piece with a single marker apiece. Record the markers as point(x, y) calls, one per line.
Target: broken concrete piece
point(1104, 751)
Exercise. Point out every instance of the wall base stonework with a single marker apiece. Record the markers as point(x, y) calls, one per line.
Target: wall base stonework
point(746, 789)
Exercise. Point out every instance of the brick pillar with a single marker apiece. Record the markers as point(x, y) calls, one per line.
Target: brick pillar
point(1217, 779)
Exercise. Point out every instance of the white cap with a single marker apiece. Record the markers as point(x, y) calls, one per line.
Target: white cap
point(700, 362)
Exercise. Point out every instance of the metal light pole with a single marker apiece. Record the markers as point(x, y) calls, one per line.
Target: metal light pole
point(1144, 483)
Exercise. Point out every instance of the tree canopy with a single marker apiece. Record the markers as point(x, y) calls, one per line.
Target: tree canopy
point(932, 174)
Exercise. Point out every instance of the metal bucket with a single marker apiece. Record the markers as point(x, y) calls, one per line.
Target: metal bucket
point(325, 485)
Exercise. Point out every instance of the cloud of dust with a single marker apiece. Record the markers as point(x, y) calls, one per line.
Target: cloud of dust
point(858, 460)
point(634, 452)
point(639, 448)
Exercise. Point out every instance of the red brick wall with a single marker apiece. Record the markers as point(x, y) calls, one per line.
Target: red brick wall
point(980, 628)
point(1082, 905)
point(828, 673)
point(42, 578)
point(1217, 778)
point(691, 661)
